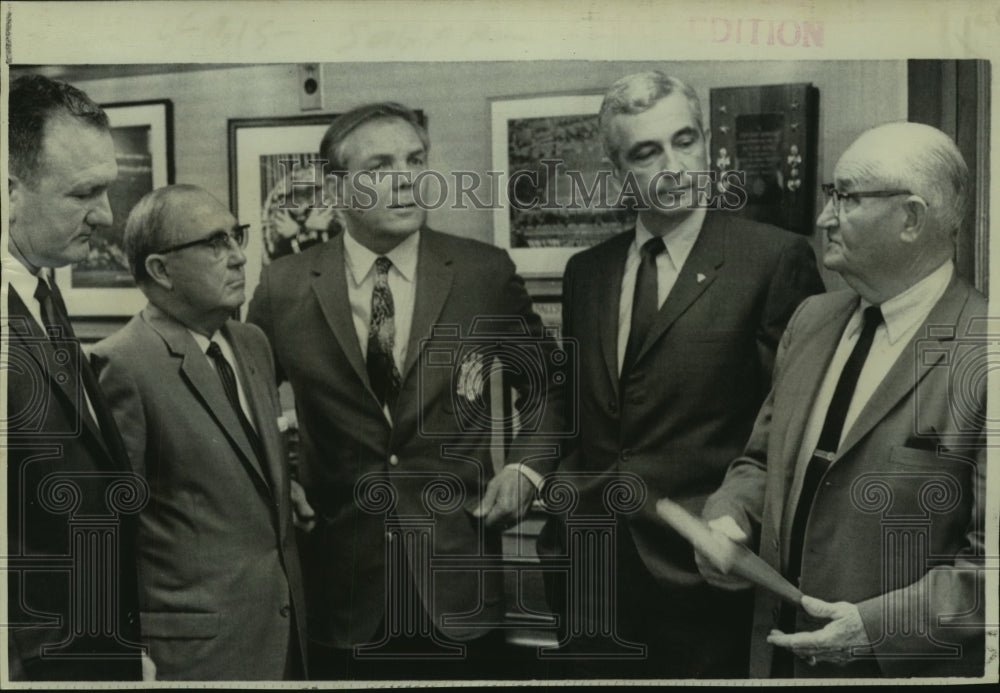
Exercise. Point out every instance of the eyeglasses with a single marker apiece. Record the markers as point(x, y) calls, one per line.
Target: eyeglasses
point(831, 192)
point(220, 242)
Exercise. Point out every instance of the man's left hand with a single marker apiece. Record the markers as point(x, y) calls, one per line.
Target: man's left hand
point(507, 498)
point(834, 642)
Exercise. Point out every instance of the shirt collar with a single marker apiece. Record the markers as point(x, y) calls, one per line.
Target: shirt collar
point(203, 341)
point(904, 310)
point(20, 277)
point(360, 259)
point(679, 240)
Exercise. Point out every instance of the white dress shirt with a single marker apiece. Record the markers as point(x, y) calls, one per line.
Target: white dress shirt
point(903, 315)
point(402, 283)
point(678, 243)
point(227, 351)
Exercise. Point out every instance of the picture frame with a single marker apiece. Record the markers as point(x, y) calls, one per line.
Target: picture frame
point(527, 131)
point(101, 285)
point(256, 146)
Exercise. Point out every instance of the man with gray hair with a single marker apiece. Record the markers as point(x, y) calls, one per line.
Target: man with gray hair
point(863, 479)
point(677, 322)
point(193, 391)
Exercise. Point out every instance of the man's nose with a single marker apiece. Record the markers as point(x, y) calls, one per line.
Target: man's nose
point(100, 214)
point(828, 215)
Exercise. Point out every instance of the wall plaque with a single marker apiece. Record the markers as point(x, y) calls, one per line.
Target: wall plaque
point(769, 133)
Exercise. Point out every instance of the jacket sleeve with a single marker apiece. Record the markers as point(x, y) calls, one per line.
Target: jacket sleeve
point(259, 313)
point(741, 495)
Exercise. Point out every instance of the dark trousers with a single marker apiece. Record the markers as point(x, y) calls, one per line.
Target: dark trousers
point(689, 632)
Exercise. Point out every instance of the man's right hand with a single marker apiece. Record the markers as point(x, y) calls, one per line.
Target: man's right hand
point(715, 568)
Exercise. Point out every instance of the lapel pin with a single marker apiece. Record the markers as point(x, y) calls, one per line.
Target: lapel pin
point(701, 277)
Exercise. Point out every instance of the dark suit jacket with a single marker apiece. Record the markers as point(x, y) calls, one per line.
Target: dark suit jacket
point(302, 305)
point(913, 465)
point(49, 431)
point(698, 381)
point(220, 582)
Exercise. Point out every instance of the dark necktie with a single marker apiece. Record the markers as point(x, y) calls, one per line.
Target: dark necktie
point(645, 300)
point(382, 372)
point(56, 319)
point(829, 439)
point(228, 378)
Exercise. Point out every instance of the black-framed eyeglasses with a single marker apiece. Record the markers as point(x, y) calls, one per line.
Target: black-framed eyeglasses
point(220, 242)
point(831, 192)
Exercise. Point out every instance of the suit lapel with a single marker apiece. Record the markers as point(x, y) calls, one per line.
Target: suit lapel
point(808, 368)
point(204, 381)
point(699, 271)
point(329, 284)
point(433, 285)
point(609, 283)
point(904, 375)
point(255, 387)
point(43, 351)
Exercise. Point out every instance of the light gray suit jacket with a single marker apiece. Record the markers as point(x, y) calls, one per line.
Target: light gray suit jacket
point(897, 524)
point(220, 582)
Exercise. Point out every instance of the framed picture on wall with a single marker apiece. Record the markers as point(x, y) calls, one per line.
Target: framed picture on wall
point(101, 285)
point(561, 196)
point(273, 182)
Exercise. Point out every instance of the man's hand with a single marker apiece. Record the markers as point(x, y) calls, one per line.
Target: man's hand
point(507, 498)
point(319, 219)
point(148, 668)
point(834, 642)
point(303, 515)
point(714, 566)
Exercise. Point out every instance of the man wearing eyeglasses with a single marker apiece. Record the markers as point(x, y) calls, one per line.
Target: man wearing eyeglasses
point(193, 392)
point(864, 476)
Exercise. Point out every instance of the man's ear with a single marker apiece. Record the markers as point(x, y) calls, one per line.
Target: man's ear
point(15, 193)
point(156, 268)
point(915, 209)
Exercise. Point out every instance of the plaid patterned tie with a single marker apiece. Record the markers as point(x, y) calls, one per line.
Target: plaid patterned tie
point(382, 372)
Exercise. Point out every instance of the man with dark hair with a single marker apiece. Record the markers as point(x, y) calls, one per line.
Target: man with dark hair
point(373, 331)
point(677, 322)
point(72, 606)
point(863, 480)
point(194, 394)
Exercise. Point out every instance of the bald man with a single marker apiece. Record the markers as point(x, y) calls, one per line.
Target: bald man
point(863, 479)
point(193, 393)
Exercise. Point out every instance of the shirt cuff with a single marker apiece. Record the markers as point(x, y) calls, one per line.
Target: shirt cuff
point(536, 479)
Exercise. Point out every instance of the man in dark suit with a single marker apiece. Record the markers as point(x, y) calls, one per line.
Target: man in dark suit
point(386, 334)
point(677, 323)
point(193, 391)
point(863, 480)
point(72, 610)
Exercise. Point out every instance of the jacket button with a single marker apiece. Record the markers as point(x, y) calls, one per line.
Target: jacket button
point(775, 614)
point(285, 610)
point(612, 406)
point(393, 460)
point(774, 544)
point(626, 455)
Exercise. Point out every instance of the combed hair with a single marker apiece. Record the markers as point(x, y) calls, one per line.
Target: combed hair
point(144, 233)
point(637, 93)
point(331, 145)
point(34, 101)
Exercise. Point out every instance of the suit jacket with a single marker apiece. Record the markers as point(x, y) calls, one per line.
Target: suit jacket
point(698, 380)
point(50, 431)
point(911, 469)
point(220, 581)
point(353, 459)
